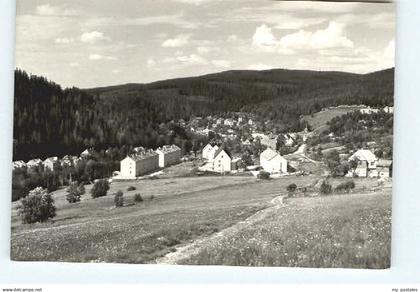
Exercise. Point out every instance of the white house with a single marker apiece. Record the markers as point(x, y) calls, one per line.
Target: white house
point(18, 164)
point(369, 110)
point(229, 122)
point(168, 155)
point(222, 162)
point(272, 162)
point(50, 162)
point(366, 163)
point(388, 109)
point(86, 153)
point(69, 160)
point(140, 163)
point(34, 163)
point(206, 151)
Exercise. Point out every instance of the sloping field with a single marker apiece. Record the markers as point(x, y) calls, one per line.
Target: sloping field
point(318, 121)
point(341, 231)
point(230, 212)
point(180, 210)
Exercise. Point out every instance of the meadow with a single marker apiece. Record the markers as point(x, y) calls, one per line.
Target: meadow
point(178, 212)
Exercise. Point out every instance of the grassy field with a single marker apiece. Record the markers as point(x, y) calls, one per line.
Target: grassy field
point(350, 231)
point(318, 121)
point(179, 211)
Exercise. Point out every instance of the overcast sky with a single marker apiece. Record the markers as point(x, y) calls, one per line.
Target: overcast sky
point(105, 42)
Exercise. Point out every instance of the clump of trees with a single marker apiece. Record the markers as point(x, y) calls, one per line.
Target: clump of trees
point(345, 187)
point(263, 175)
point(325, 188)
point(119, 199)
point(131, 188)
point(100, 188)
point(138, 198)
point(334, 164)
point(37, 206)
point(74, 192)
point(291, 189)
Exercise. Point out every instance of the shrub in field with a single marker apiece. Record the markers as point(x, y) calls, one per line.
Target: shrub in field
point(131, 188)
point(100, 188)
point(291, 188)
point(74, 192)
point(119, 199)
point(37, 206)
point(263, 175)
point(325, 188)
point(345, 187)
point(138, 198)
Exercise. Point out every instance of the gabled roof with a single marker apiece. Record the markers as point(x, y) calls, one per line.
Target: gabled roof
point(363, 155)
point(218, 151)
point(269, 154)
point(208, 145)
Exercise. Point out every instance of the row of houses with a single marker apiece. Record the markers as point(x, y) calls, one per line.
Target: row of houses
point(220, 160)
point(48, 163)
point(144, 161)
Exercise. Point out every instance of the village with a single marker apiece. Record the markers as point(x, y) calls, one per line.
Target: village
point(237, 144)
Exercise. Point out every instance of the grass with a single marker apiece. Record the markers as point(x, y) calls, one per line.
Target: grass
point(352, 231)
point(185, 209)
point(181, 211)
point(318, 121)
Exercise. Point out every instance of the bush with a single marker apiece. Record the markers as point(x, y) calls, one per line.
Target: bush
point(345, 186)
point(131, 188)
point(119, 199)
point(38, 206)
point(325, 188)
point(100, 188)
point(138, 198)
point(74, 192)
point(291, 188)
point(263, 175)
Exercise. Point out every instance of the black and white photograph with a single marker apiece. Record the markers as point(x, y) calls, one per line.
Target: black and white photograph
point(204, 132)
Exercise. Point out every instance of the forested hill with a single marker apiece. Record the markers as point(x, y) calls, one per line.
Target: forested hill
point(279, 94)
point(52, 121)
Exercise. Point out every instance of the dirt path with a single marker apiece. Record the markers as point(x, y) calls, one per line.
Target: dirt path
point(185, 251)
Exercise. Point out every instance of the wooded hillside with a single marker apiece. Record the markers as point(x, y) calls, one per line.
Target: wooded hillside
point(51, 121)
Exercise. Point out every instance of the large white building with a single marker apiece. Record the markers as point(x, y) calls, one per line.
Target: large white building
point(272, 162)
point(138, 164)
point(222, 162)
point(168, 155)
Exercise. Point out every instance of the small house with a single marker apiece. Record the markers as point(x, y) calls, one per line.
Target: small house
point(366, 163)
point(18, 164)
point(229, 122)
point(272, 162)
point(50, 162)
point(34, 163)
point(86, 153)
point(206, 151)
